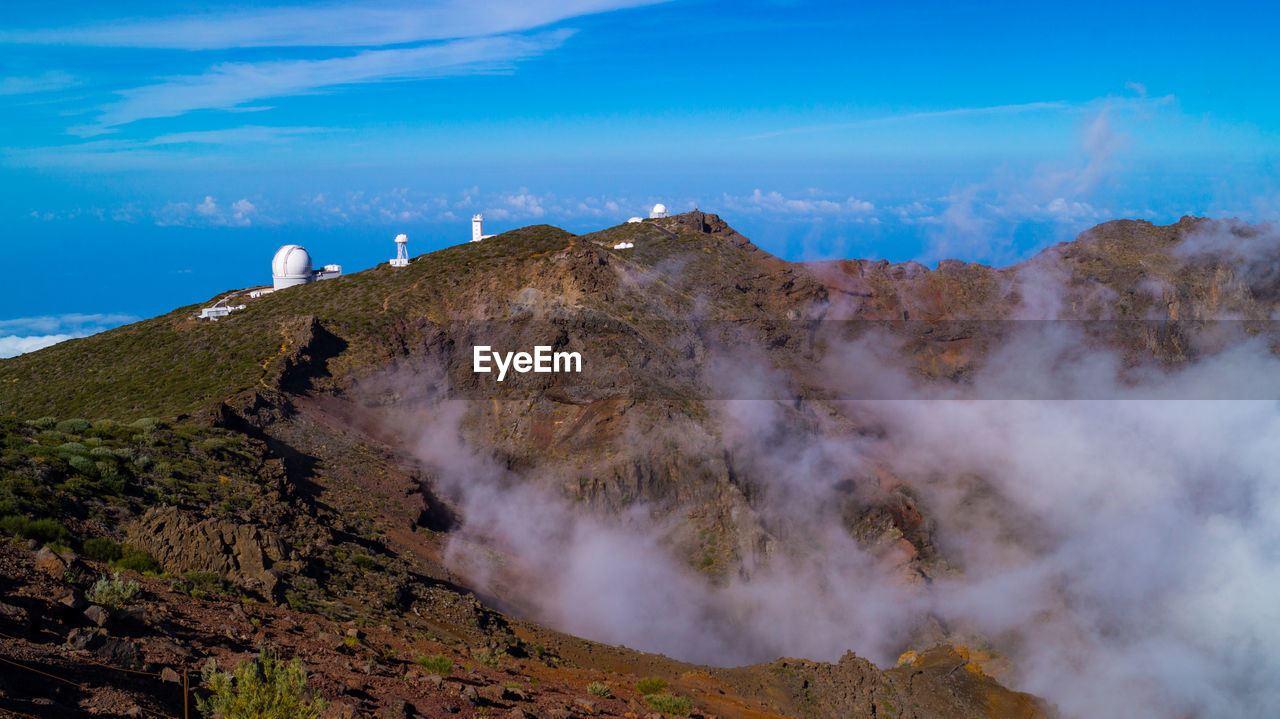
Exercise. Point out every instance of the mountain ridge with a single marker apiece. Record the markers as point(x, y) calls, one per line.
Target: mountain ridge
point(327, 406)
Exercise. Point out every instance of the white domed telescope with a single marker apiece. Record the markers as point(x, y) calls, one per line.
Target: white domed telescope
point(402, 251)
point(659, 210)
point(291, 266)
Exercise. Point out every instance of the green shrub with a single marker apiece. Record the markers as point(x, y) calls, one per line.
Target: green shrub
point(298, 601)
point(669, 704)
point(491, 658)
point(44, 422)
point(437, 664)
point(139, 561)
point(652, 685)
point(45, 531)
point(200, 584)
point(365, 562)
point(71, 448)
point(262, 688)
point(203, 579)
point(212, 444)
point(114, 593)
point(72, 426)
point(596, 689)
point(103, 549)
point(83, 465)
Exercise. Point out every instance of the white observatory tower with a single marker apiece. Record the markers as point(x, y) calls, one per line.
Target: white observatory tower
point(477, 228)
point(659, 210)
point(291, 266)
point(402, 251)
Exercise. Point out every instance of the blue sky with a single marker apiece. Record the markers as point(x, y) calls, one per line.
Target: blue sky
point(153, 154)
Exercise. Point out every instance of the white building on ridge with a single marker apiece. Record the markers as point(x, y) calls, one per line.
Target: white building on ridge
point(402, 251)
point(659, 210)
point(218, 309)
point(477, 228)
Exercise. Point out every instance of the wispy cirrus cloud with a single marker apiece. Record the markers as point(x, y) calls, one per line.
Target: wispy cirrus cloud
point(958, 112)
point(349, 24)
point(243, 134)
point(230, 86)
point(174, 149)
point(45, 82)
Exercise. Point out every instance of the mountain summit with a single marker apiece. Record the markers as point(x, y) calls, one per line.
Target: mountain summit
point(325, 472)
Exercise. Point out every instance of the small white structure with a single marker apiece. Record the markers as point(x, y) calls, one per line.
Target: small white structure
point(402, 251)
point(219, 309)
point(292, 266)
point(659, 210)
point(624, 245)
point(477, 228)
point(634, 220)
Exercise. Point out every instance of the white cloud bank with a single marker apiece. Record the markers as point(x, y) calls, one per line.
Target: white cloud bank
point(28, 334)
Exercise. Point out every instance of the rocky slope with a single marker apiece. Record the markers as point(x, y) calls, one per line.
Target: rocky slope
point(295, 477)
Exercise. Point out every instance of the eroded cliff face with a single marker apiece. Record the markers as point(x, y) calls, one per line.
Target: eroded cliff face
point(719, 428)
point(243, 554)
point(696, 317)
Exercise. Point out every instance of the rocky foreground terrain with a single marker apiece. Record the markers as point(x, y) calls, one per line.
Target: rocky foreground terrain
point(317, 474)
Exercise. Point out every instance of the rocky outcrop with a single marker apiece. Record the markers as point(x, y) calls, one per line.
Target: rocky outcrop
point(243, 554)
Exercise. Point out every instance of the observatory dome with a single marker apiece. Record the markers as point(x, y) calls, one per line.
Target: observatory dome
point(291, 266)
point(634, 220)
point(659, 210)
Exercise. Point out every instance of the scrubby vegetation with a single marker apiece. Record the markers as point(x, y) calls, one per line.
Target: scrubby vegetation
point(114, 593)
point(596, 689)
point(103, 549)
point(65, 483)
point(491, 658)
point(139, 561)
point(45, 531)
point(669, 704)
point(203, 585)
point(262, 688)
point(652, 685)
point(436, 664)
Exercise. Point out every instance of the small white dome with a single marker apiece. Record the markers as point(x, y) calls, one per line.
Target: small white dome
point(659, 210)
point(635, 219)
point(291, 266)
point(402, 238)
